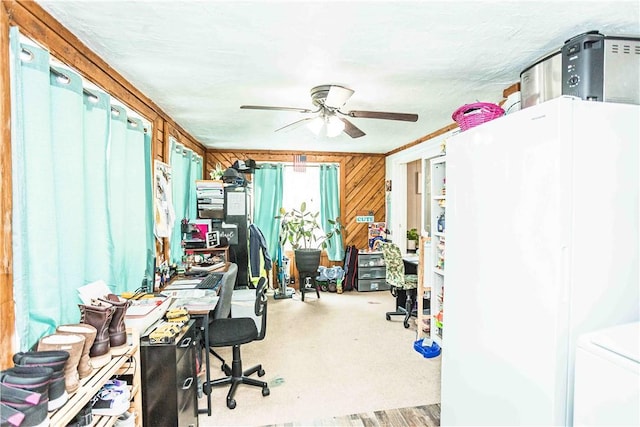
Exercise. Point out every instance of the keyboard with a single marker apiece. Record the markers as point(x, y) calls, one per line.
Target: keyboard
point(211, 282)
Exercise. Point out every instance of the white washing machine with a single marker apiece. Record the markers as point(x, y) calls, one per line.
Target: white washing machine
point(607, 377)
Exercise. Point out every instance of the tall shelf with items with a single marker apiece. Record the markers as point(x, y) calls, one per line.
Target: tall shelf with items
point(436, 268)
point(424, 287)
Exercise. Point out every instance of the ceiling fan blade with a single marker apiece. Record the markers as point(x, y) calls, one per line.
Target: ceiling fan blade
point(351, 129)
point(337, 96)
point(383, 115)
point(295, 124)
point(263, 107)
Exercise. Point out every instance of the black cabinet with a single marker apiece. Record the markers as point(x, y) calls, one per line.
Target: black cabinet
point(169, 383)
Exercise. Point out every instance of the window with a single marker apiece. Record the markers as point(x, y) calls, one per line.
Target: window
point(302, 186)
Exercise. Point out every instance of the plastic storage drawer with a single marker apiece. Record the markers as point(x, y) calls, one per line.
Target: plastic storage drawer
point(371, 259)
point(372, 285)
point(372, 273)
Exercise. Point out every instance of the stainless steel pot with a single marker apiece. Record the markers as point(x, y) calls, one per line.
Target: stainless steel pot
point(542, 80)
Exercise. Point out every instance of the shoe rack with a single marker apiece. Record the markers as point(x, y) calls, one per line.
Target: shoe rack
point(126, 364)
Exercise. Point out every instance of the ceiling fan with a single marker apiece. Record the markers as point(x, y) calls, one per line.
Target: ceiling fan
point(328, 120)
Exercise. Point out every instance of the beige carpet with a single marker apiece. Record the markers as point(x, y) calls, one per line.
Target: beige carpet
point(332, 356)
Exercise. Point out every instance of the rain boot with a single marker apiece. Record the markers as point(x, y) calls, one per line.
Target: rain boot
point(22, 407)
point(98, 314)
point(117, 328)
point(73, 344)
point(89, 332)
point(38, 380)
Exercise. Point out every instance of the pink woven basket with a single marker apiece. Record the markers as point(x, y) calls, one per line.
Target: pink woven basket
point(470, 115)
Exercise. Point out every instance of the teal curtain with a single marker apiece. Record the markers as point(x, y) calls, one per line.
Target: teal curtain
point(66, 129)
point(330, 208)
point(150, 269)
point(35, 231)
point(267, 188)
point(117, 181)
point(79, 193)
point(135, 202)
point(195, 173)
point(98, 242)
point(185, 169)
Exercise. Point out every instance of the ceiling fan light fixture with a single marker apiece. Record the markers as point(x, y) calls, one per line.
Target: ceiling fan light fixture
point(337, 96)
point(316, 125)
point(335, 126)
point(329, 126)
point(329, 99)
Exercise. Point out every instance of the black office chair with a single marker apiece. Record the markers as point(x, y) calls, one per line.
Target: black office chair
point(223, 306)
point(235, 331)
point(403, 286)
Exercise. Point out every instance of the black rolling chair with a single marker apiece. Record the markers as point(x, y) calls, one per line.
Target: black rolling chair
point(233, 332)
point(223, 307)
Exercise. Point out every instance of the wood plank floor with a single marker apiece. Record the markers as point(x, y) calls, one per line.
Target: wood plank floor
point(419, 416)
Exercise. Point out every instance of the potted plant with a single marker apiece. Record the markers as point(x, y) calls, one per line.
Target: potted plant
point(412, 239)
point(217, 172)
point(301, 229)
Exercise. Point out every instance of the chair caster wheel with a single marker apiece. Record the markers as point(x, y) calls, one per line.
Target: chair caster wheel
point(265, 391)
point(231, 403)
point(406, 325)
point(388, 317)
point(261, 373)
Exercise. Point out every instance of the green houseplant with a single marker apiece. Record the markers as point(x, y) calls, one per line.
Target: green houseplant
point(412, 239)
point(301, 229)
point(217, 172)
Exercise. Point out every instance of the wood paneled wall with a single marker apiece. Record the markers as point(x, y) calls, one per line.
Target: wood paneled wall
point(361, 182)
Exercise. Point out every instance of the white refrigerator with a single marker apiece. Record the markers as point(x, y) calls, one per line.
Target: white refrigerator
point(542, 246)
point(607, 377)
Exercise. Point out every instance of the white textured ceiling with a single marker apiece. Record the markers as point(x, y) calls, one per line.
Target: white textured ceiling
point(200, 60)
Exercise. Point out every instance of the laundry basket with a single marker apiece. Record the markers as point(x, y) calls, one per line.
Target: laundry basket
point(470, 115)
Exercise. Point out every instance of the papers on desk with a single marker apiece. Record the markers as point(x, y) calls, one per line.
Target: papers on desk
point(182, 284)
point(144, 306)
point(184, 293)
point(205, 303)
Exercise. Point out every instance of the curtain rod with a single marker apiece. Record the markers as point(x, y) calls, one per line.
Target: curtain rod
point(91, 95)
point(304, 165)
point(85, 91)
